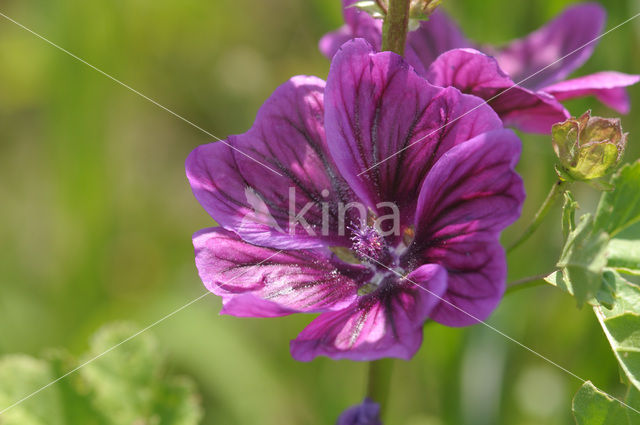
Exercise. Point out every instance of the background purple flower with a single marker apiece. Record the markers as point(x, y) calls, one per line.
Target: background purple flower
point(365, 413)
point(453, 183)
point(538, 59)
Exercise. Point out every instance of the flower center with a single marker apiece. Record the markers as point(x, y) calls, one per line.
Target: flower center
point(367, 244)
point(372, 249)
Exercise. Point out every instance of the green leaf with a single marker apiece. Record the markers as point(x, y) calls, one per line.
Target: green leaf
point(568, 214)
point(583, 259)
point(620, 208)
point(621, 326)
point(78, 408)
point(120, 382)
point(127, 385)
point(605, 295)
point(633, 400)
point(177, 403)
point(20, 376)
point(593, 407)
point(624, 256)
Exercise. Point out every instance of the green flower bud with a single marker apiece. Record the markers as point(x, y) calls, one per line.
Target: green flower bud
point(588, 147)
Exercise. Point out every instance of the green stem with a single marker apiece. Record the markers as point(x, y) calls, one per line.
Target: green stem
point(557, 190)
point(379, 381)
point(524, 283)
point(395, 26)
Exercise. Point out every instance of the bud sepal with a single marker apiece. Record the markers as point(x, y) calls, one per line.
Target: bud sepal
point(588, 147)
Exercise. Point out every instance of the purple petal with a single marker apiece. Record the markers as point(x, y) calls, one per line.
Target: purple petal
point(243, 195)
point(358, 24)
point(256, 281)
point(475, 73)
point(331, 42)
point(471, 194)
point(432, 38)
point(386, 126)
point(385, 323)
point(572, 33)
point(607, 87)
point(365, 413)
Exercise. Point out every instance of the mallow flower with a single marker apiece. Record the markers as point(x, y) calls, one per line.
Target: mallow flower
point(375, 246)
point(365, 413)
point(539, 62)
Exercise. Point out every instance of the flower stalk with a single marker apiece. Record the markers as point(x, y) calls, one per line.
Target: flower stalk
point(395, 26)
point(558, 189)
point(379, 379)
point(524, 283)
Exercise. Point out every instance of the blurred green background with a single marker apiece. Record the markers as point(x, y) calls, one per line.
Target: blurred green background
point(96, 214)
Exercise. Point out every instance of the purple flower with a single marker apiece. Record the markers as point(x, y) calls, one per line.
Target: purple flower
point(365, 413)
point(439, 52)
point(373, 245)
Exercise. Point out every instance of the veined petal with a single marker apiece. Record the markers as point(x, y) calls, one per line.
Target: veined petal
point(386, 126)
point(477, 270)
point(470, 195)
point(607, 87)
point(265, 282)
point(475, 73)
point(270, 184)
point(572, 34)
point(385, 323)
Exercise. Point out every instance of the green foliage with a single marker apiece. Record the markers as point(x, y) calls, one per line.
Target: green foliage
point(605, 294)
point(124, 386)
point(620, 208)
point(624, 256)
point(593, 407)
point(568, 214)
point(20, 376)
point(590, 267)
point(621, 325)
point(582, 261)
point(589, 249)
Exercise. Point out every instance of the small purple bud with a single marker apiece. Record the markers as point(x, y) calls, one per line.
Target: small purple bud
point(588, 147)
point(365, 413)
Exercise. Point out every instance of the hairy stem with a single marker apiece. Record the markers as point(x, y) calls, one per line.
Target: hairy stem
point(557, 190)
point(396, 24)
point(527, 282)
point(379, 381)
